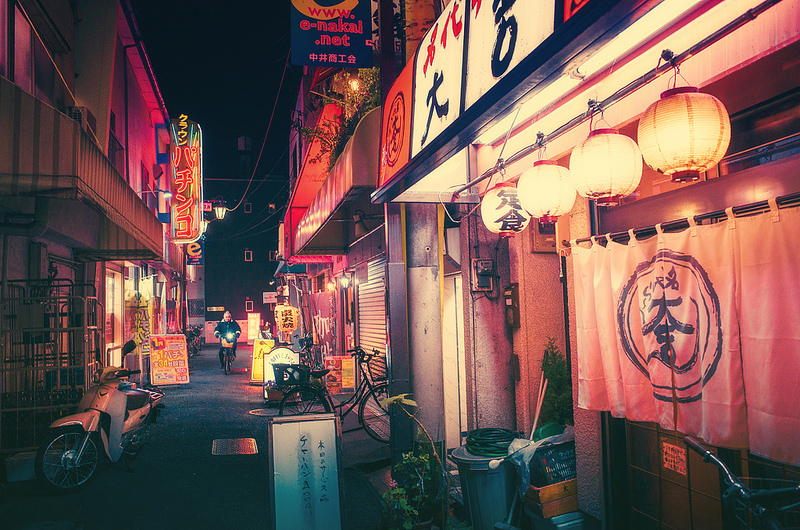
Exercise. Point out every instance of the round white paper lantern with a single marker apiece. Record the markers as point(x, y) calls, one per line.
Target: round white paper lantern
point(683, 133)
point(501, 211)
point(606, 166)
point(546, 191)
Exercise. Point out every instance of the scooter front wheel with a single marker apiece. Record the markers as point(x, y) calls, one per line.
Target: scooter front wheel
point(57, 466)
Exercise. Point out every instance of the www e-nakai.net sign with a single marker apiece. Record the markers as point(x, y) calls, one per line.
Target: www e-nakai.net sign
point(337, 34)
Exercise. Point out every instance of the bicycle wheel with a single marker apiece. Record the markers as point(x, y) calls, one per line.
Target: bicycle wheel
point(372, 415)
point(304, 400)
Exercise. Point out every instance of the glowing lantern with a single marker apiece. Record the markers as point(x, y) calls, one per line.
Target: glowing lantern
point(546, 191)
point(683, 133)
point(606, 166)
point(501, 211)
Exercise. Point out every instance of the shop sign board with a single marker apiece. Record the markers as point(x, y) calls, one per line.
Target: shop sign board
point(186, 180)
point(396, 128)
point(280, 355)
point(341, 377)
point(438, 67)
point(501, 34)
point(337, 35)
point(169, 361)
point(304, 478)
point(261, 347)
point(194, 252)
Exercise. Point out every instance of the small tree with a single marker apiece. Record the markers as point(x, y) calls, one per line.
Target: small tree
point(557, 404)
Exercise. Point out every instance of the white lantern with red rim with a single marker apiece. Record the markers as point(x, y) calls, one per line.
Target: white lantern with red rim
point(684, 133)
point(606, 166)
point(546, 191)
point(501, 211)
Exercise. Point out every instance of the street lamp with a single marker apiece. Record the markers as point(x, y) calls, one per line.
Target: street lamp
point(167, 194)
point(220, 210)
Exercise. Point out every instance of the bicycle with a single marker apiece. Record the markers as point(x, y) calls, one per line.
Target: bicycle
point(312, 397)
point(227, 344)
point(766, 504)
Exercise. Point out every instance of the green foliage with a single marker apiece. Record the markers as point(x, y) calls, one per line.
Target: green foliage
point(557, 404)
point(357, 93)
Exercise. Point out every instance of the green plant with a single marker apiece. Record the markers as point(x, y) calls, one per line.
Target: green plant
point(557, 404)
point(357, 92)
point(419, 488)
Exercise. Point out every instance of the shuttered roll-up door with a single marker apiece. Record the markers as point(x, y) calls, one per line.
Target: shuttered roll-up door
point(372, 316)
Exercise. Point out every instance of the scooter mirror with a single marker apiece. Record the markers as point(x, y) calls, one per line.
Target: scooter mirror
point(128, 347)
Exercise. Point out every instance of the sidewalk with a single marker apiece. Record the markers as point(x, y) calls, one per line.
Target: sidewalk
point(365, 476)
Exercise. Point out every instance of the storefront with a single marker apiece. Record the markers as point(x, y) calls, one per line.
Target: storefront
point(537, 94)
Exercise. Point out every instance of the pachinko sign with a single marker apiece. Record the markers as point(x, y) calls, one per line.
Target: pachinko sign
point(186, 173)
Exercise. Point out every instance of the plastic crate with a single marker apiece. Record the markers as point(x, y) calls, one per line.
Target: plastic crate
point(552, 464)
point(291, 374)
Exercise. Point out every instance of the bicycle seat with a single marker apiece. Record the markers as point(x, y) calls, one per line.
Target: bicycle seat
point(319, 374)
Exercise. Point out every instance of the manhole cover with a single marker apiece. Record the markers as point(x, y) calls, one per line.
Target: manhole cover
point(234, 446)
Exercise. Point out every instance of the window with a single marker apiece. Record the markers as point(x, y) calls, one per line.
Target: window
point(4, 38)
point(148, 190)
point(248, 207)
point(248, 306)
point(23, 54)
point(248, 255)
point(44, 73)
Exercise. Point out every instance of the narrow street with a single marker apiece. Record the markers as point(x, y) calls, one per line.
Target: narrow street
point(177, 482)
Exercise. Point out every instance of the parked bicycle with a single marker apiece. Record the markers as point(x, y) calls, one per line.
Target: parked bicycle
point(304, 396)
point(755, 503)
point(193, 339)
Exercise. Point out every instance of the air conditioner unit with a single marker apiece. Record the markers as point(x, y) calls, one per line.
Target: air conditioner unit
point(83, 116)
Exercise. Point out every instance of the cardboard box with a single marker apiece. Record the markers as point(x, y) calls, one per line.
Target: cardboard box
point(539, 495)
point(554, 507)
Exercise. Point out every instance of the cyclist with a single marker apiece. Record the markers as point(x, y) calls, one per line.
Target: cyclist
point(225, 326)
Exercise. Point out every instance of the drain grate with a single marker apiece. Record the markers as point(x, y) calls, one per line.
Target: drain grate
point(234, 446)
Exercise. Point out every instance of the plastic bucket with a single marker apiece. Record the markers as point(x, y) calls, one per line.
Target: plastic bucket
point(488, 493)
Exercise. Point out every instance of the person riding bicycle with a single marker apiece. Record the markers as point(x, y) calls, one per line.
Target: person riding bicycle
point(224, 327)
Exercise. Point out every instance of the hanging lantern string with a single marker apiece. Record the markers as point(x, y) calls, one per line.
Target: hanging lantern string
point(634, 85)
point(540, 145)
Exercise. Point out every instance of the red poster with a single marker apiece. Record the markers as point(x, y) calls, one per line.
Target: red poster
point(396, 130)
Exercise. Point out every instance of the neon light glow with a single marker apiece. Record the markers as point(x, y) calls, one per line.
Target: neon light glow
point(186, 166)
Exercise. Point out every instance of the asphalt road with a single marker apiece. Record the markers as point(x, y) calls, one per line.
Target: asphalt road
point(177, 482)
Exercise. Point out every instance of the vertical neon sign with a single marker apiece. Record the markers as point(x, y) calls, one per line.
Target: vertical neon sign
point(186, 166)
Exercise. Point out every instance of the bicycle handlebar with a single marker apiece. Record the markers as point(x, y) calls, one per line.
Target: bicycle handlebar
point(736, 487)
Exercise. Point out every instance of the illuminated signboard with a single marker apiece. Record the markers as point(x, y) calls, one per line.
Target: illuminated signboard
point(332, 35)
point(186, 172)
point(169, 361)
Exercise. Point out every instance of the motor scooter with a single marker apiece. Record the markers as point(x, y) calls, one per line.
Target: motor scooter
point(112, 416)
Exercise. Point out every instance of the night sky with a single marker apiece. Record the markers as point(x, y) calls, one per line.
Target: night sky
point(221, 63)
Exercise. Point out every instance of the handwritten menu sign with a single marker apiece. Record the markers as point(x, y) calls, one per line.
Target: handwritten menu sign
point(674, 457)
point(304, 464)
point(168, 359)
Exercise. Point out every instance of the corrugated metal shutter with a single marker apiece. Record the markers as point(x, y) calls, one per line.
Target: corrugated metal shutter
point(372, 314)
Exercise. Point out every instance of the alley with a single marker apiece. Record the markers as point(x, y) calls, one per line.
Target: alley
point(177, 482)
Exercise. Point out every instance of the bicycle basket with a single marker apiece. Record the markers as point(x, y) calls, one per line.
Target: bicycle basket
point(291, 374)
point(787, 512)
point(377, 368)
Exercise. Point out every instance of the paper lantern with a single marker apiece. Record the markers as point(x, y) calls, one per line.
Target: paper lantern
point(501, 211)
point(546, 191)
point(606, 166)
point(683, 133)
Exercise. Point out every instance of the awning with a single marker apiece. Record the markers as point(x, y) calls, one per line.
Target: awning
point(68, 164)
point(598, 55)
point(323, 228)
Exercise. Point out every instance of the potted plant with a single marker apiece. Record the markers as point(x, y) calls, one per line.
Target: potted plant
point(418, 490)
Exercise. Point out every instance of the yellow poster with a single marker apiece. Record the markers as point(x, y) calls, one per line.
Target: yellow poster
point(169, 361)
point(261, 347)
point(341, 378)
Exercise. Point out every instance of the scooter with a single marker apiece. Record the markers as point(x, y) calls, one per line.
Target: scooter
point(112, 417)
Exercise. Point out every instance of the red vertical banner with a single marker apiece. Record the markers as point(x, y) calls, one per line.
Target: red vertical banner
point(186, 179)
point(396, 129)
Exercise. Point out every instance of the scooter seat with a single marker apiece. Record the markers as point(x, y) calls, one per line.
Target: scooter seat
point(137, 399)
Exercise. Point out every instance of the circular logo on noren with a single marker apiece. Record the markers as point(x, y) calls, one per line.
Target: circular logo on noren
point(668, 318)
point(395, 126)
